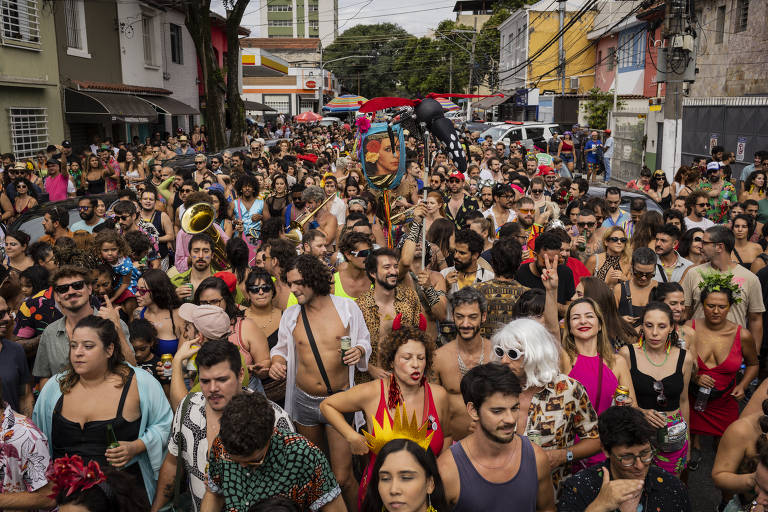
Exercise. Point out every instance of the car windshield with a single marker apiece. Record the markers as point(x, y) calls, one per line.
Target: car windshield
point(496, 132)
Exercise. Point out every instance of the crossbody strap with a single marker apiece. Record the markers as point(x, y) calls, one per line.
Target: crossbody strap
point(180, 444)
point(315, 351)
point(662, 272)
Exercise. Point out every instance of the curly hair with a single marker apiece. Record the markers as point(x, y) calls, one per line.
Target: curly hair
point(246, 424)
point(396, 339)
point(107, 334)
point(314, 273)
point(113, 237)
point(350, 239)
point(139, 243)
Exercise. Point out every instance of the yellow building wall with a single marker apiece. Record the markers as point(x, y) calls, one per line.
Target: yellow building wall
point(543, 69)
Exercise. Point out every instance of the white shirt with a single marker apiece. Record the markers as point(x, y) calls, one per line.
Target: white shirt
point(351, 317)
point(338, 209)
point(489, 213)
point(704, 223)
point(608, 151)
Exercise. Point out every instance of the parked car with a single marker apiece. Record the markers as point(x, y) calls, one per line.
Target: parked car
point(529, 134)
point(626, 197)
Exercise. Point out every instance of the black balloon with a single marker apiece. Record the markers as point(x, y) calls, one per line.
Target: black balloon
point(431, 113)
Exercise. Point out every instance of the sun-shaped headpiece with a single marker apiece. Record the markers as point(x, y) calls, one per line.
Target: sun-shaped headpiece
point(400, 428)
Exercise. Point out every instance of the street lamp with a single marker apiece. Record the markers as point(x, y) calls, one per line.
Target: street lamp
point(322, 77)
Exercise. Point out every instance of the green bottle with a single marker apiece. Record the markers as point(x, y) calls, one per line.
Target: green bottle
point(111, 437)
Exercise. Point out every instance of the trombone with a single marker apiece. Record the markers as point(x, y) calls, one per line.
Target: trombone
point(405, 215)
point(296, 230)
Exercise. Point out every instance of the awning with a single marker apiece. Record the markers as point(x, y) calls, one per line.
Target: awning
point(171, 106)
point(256, 106)
point(486, 103)
point(89, 107)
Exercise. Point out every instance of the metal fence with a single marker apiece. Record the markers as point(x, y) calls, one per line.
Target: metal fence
point(628, 146)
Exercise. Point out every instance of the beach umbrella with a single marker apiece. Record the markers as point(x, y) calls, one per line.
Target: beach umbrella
point(345, 103)
point(447, 104)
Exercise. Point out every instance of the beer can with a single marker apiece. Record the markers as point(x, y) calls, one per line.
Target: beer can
point(346, 344)
point(534, 436)
point(621, 396)
point(167, 360)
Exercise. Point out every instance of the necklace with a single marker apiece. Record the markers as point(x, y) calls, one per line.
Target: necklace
point(645, 351)
point(463, 367)
point(269, 319)
point(506, 462)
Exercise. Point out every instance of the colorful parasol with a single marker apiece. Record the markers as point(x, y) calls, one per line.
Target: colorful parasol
point(447, 104)
point(308, 117)
point(345, 103)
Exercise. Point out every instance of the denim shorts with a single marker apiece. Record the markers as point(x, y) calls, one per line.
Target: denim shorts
point(306, 410)
point(565, 157)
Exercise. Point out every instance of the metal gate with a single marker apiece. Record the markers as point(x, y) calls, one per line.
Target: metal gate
point(628, 146)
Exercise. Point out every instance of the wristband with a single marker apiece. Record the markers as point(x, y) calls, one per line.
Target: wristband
point(433, 297)
point(414, 233)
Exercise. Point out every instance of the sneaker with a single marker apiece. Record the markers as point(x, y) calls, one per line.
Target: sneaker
point(693, 464)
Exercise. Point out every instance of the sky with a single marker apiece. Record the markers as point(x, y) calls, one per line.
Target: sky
point(418, 18)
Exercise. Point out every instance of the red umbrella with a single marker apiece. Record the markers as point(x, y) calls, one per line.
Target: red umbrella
point(308, 117)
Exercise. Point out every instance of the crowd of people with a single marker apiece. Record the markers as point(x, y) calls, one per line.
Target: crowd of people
point(247, 334)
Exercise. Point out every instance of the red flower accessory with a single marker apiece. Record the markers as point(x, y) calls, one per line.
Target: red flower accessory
point(72, 474)
point(397, 323)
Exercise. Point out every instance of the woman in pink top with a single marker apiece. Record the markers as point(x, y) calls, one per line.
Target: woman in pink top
point(591, 359)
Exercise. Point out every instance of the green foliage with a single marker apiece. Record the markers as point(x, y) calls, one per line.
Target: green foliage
point(597, 107)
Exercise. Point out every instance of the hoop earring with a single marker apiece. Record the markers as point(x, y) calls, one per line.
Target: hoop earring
point(430, 508)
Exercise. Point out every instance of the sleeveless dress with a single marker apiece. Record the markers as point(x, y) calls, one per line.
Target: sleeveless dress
point(477, 494)
point(90, 440)
point(164, 346)
point(671, 462)
point(600, 383)
point(722, 409)
point(236, 338)
point(433, 425)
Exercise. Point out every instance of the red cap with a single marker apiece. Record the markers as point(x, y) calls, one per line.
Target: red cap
point(608, 132)
point(545, 170)
point(456, 175)
point(229, 279)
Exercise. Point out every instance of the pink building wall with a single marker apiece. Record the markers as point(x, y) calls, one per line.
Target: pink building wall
point(219, 43)
point(603, 75)
point(651, 63)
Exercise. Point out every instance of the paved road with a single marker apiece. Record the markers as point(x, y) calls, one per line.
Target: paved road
point(704, 496)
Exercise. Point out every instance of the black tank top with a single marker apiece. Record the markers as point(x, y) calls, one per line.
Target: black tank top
point(90, 440)
point(95, 186)
point(643, 384)
point(157, 221)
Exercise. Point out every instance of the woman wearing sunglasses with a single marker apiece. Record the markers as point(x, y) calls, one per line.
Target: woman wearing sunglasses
point(159, 304)
point(591, 359)
point(554, 408)
point(691, 244)
point(633, 295)
point(660, 191)
point(660, 372)
point(720, 346)
point(614, 265)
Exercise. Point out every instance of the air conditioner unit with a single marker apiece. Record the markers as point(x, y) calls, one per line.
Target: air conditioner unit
point(573, 83)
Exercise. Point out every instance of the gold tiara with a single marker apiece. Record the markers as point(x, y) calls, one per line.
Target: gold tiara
point(400, 428)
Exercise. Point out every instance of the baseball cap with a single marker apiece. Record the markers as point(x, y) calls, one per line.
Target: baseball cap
point(459, 176)
point(211, 321)
point(607, 132)
point(183, 137)
point(52, 161)
point(713, 166)
point(66, 144)
point(217, 186)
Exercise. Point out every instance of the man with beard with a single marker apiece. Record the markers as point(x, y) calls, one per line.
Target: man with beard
point(184, 147)
point(196, 421)
point(588, 241)
point(307, 355)
point(721, 193)
point(128, 220)
point(323, 220)
point(548, 246)
point(459, 203)
point(201, 253)
point(616, 216)
point(493, 466)
point(465, 271)
point(468, 349)
point(314, 243)
point(670, 266)
point(55, 222)
point(501, 210)
point(89, 220)
point(295, 208)
point(486, 196)
point(181, 257)
point(72, 292)
point(382, 303)
point(493, 171)
point(278, 255)
point(526, 212)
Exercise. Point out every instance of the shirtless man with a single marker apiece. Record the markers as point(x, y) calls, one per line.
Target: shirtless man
point(323, 220)
point(351, 278)
point(453, 360)
point(278, 253)
point(309, 380)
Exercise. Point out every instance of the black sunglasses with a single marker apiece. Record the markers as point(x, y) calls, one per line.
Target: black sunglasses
point(122, 217)
point(658, 387)
point(363, 253)
point(586, 224)
point(64, 288)
point(641, 275)
point(615, 239)
point(257, 289)
point(511, 353)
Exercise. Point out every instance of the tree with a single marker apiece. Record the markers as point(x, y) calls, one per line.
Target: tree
point(375, 76)
point(597, 107)
point(235, 10)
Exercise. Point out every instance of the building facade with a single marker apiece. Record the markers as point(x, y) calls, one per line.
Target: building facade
point(30, 104)
point(316, 19)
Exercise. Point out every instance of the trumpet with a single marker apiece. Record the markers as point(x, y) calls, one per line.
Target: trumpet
point(405, 215)
point(296, 231)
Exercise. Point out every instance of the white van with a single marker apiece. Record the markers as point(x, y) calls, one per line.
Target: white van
point(524, 132)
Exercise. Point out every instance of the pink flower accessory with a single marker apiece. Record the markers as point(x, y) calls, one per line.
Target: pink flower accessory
point(363, 124)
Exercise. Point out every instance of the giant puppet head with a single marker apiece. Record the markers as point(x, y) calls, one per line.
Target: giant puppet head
point(383, 162)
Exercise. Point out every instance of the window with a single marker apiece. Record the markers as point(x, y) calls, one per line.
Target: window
point(610, 58)
point(313, 24)
point(280, 23)
point(313, 7)
point(279, 8)
point(177, 52)
point(147, 29)
point(631, 50)
point(281, 103)
point(29, 130)
point(742, 13)
point(20, 21)
point(720, 24)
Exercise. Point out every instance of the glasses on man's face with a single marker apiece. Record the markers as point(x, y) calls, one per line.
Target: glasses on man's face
point(362, 253)
point(84, 208)
point(702, 204)
point(122, 217)
point(199, 162)
point(628, 459)
point(661, 399)
point(186, 191)
point(511, 353)
point(526, 211)
point(583, 225)
point(64, 288)
point(643, 275)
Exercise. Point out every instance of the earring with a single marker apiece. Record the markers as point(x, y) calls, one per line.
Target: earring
point(430, 508)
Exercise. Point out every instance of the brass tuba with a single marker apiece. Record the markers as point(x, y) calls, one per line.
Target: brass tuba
point(198, 218)
point(296, 231)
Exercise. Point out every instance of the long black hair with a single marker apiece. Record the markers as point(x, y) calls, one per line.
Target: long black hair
point(161, 288)
point(216, 283)
point(426, 460)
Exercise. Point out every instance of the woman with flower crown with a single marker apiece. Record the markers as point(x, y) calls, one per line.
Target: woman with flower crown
point(406, 354)
point(660, 372)
point(719, 346)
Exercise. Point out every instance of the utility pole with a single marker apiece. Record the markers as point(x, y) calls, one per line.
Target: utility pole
point(561, 48)
point(471, 72)
point(677, 62)
point(450, 73)
point(615, 87)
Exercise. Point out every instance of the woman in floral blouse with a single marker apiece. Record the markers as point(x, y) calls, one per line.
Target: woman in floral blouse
point(554, 408)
